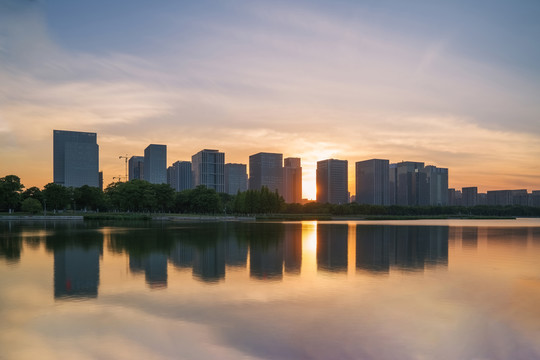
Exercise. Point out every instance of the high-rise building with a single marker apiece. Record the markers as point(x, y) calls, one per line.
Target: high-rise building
point(155, 164)
point(100, 182)
point(179, 175)
point(436, 183)
point(266, 169)
point(409, 183)
point(469, 196)
point(136, 168)
point(332, 181)
point(235, 178)
point(208, 168)
point(292, 180)
point(372, 182)
point(75, 158)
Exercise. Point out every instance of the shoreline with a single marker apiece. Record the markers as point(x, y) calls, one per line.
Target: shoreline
point(231, 218)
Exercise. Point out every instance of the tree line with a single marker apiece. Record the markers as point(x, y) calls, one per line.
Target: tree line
point(142, 196)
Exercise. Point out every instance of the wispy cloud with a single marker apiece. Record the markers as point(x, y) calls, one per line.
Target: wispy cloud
point(283, 78)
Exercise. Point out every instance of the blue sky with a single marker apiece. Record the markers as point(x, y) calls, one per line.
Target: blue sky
point(455, 84)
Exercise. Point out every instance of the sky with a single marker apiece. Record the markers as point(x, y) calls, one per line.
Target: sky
point(452, 84)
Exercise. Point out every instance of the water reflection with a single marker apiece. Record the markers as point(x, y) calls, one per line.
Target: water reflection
point(375, 312)
point(76, 262)
point(379, 248)
point(332, 247)
point(10, 248)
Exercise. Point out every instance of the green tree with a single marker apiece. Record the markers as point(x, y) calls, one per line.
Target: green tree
point(31, 205)
point(34, 193)
point(204, 201)
point(89, 197)
point(10, 192)
point(56, 196)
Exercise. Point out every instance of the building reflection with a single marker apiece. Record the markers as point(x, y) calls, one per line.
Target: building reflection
point(10, 247)
point(380, 248)
point(181, 255)
point(469, 237)
point(506, 236)
point(154, 267)
point(266, 260)
point(209, 262)
point(76, 263)
point(332, 247)
point(235, 252)
point(293, 249)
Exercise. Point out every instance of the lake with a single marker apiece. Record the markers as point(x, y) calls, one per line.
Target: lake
point(426, 289)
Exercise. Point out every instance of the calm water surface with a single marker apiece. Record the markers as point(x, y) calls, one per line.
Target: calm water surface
point(456, 289)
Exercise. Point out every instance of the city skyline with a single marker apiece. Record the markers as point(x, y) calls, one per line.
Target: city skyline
point(452, 85)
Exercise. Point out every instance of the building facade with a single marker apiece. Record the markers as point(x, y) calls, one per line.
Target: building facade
point(136, 168)
point(332, 181)
point(75, 158)
point(266, 169)
point(469, 196)
point(180, 176)
point(155, 164)
point(437, 186)
point(408, 183)
point(208, 168)
point(508, 197)
point(235, 178)
point(372, 182)
point(292, 180)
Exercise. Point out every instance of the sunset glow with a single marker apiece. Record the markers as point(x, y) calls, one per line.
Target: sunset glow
point(316, 81)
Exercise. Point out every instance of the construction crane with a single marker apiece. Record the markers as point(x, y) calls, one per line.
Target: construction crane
point(125, 157)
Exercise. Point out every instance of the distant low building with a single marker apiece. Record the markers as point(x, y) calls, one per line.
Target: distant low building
point(507, 197)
